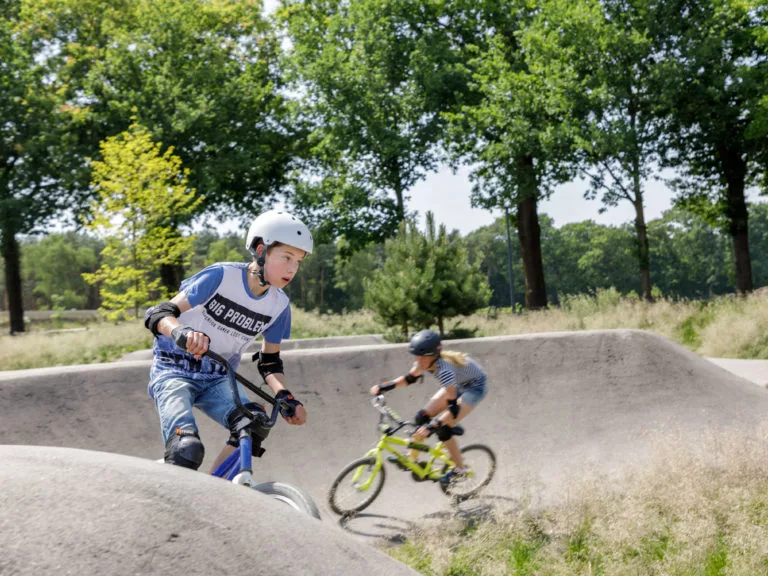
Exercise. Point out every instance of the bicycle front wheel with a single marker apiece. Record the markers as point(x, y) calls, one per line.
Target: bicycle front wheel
point(481, 462)
point(294, 497)
point(356, 486)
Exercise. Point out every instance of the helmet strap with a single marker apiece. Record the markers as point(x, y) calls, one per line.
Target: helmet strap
point(261, 260)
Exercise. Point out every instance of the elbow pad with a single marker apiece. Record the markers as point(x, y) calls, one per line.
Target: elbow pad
point(154, 314)
point(268, 363)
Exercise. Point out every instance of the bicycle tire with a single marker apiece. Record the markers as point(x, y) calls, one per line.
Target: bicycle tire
point(453, 490)
point(333, 494)
point(293, 496)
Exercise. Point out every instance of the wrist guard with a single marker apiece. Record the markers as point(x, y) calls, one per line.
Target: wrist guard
point(387, 386)
point(154, 314)
point(410, 379)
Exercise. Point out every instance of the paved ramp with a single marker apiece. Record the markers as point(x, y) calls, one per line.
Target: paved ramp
point(76, 512)
point(557, 402)
point(293, 344)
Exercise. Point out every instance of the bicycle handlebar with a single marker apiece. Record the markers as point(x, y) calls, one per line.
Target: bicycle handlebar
point(234, 377)
point(380, 404)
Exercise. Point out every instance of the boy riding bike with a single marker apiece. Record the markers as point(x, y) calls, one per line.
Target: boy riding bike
point(463, 384)
point(224, 307)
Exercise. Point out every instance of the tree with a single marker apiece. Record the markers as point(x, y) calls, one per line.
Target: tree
point(201, 76)
point(598, 59)
point(38, 153)
point(54, 266)
point(374, 94)
point(143, 193)
point(426, 278)
point(487, 246)
point(583, 257)
point(516, 143)
point(714, 77)
point(690, 257)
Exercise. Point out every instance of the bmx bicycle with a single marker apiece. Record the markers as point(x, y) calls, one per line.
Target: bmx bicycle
point(360, 482)
point(237, 468)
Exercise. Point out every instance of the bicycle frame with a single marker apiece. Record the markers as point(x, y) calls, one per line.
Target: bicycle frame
point(237, 467)
point(390, 443)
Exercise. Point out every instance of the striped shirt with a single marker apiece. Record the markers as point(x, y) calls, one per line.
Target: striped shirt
point(462, 377)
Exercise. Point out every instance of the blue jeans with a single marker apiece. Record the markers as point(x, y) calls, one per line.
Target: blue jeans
point(175, 396)
point(474, 393)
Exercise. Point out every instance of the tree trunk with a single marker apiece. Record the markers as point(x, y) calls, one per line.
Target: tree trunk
point(529, 234)
point(170, 276)
point(9, 249)
point(643, 251)
point(735, 170)
point(400, 202)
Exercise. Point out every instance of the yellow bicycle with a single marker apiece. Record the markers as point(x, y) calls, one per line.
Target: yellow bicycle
point(361, 481)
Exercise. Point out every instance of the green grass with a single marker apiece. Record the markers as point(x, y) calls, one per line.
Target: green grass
point(687, 514)
point(727, 327)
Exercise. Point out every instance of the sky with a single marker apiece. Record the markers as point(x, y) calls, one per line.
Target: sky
point(447, 195)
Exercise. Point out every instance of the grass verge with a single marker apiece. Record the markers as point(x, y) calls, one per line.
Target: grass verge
point(703, 513)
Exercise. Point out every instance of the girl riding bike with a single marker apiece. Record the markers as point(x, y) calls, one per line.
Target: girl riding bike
point(463, 384)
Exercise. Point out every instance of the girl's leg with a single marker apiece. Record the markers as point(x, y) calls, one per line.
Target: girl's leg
point(451, 444)
point(436, 404)
point(467, 401)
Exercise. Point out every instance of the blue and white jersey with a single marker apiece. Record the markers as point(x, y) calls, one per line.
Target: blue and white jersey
point(225, 309)
point(463, 377)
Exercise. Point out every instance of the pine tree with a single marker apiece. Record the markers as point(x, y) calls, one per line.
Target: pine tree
point(426, 278)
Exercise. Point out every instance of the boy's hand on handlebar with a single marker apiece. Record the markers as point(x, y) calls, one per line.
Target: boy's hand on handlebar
point(294, 413)
point(196, 343)
point(375, 390)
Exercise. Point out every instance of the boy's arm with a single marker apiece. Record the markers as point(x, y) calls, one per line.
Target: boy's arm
point(193, 342)
point(276, 382)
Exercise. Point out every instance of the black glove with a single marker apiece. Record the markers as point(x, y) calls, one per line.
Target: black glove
point(287, 397)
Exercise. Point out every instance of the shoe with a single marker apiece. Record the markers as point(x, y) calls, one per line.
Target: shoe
point(453, 475)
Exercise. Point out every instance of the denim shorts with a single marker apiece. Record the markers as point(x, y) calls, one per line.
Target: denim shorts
point(175, 396)
point(474, 393)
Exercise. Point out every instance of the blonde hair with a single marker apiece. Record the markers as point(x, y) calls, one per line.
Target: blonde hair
point(455, 358)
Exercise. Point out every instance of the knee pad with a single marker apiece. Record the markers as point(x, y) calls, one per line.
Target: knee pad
point(444, 432)
point(421, 418)
point(236, 422)
point(454, 408)
point(184, 448)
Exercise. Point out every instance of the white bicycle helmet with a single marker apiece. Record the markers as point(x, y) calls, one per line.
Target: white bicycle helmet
point(278, 226)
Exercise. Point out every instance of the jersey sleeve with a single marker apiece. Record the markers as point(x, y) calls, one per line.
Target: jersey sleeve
point(280, 329)
point(200, 287)
point(446, 375)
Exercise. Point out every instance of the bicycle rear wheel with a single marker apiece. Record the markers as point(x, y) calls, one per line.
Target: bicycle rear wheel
point(482, 465)
point(294, 497)
point(356, 486)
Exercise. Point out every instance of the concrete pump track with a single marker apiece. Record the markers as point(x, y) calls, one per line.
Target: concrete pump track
point(82, 493)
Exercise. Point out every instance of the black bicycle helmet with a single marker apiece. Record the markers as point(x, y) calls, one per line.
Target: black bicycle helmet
point(425, 343)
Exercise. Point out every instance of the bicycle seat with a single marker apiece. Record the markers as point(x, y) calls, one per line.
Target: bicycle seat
point(458, 430)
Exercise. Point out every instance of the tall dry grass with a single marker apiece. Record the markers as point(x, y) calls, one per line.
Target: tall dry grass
point(688, 513)
point(722, 327)
point(98, 341)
